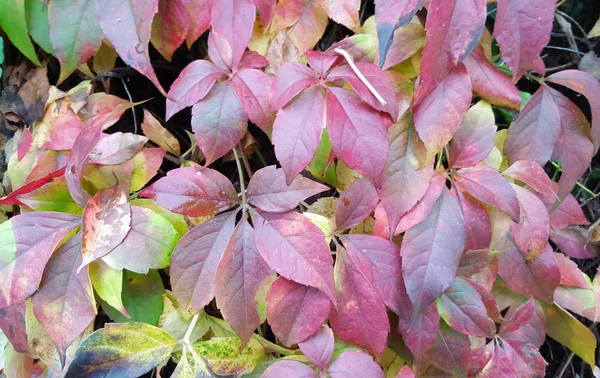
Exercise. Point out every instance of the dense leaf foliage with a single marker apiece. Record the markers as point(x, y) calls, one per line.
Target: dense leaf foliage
point(404, 231)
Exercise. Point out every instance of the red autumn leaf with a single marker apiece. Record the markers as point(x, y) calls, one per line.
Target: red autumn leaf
point(268, 191)
point(390, 15)
point(28, 242)
point(195, 259)
point(127, 26)
point(360, 317)
point(219, 52)
point(295, 248)
point(295, 136)
point(521, 316)
point(379, 262)
point(526, 358)
point(474, 139)
point(439, 115)
point(527, 326)
point(405, 372)
point(355, 204)
point(567, 213)
point(117, 148)
point(234, 21)
point(251, 87)
point(451, 351)
point(431, 252)
point(408, 40)
point(489, 301)
point(306, 20)
point(289, 369)
point(490, 83)
point(64, 304)
point(219, 122)
point(522, 30)
point(323, 62)
point(266, 9)
point(199, 11)
point(170, 26)
point(252, 59)
point(588, 86)
point(462, 308)
point(487, 185)
point(420, 334)
point(193, 191)
point(12, 199)
point(292, 78)
point(295, 312)
point(473, 261)
point(500, 365)
point(477, 221)
point(240, 275)
point(354, 364)
point(344, 12)
point(531, 234)
point(423, 207)
point(12, 324)
point(24, 143)
point(106, 220)
point(319, 347)
point(573, 241)
point(532, 174)
point(192, 85)
point(570, 274)
point(538, 278)
point(357, 132)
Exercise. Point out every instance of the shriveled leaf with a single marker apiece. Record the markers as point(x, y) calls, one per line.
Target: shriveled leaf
point(475, 137)
point(170, 26)
point(193, 191)
point(28, 241)
point(354, 364)
point(295, 311)
point(319, 347)
point(268, 190)
point(122, 350)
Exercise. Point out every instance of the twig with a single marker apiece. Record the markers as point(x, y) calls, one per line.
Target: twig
point(246, 163)
point(585, 38)
point(561, 2)
point(241, 174)
point(188, 332)
point(564, 49)
point(274, 347)
point(133, 107)
point(559, 68)
point(360, 76)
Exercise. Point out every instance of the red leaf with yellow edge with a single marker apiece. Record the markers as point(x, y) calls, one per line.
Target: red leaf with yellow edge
point(295, 312)
point(241, 274)
point(64, 305)
point(355, 204)
point(28, 242)
point(295, 248)
point(431, 252)
point(127, 25)
point(531, 234)
point(319, 347)
point(219, 122)
point(474, 139)
point(268, 191)
point(357, 132)
point(234, 21)
point(170, 26)
point(522, 30)
point(106, 220)
point(193, 191)
point(360, 317)
point(195, 259)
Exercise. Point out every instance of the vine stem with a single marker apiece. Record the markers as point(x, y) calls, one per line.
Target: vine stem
point(188, 332)
point(241, 174)
point(274, 347)
point(361, 77)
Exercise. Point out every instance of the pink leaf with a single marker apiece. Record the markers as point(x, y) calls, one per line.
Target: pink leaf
point(289, 369)
point(357, 132)
point(234, 21)
point(522, 30)
point(354, 364)
point(431, 252)
point(106, 220)
point(344, 12)
point(525, 328)
point(355, 204)
point(567, 213)
point(487, 185)
point(475, 137)
point(127, 25)
point(199, 11)
point(193, 191)
point(477, 221)
point(408, 40)
point(526, 358)
point(268, 191)
point(423, 207)
point(251, 87)
point(296, 249)
point(192, 85)
point(28, 242)
point(533, 230)
point(252, 59)
point(390, 15)
point(319, 347)
point(65, 304)
point(588, 86)
point(538, 278)
point(490, 83)
point(439, 115)
point(405, 372)
point(292, 78)
point(323, 62)
point(532, 174)
point(296, 136)
point(473, 261)
point(570, 274)
point(195, 259)
point(500, 365)
point(360, 317)
point(573, 241)
point(239, 277)
point(420, 334)
point(219, 52)
point(266, 8)
point(219, 122)
point(170, 26)
point(295, 312)
point(451, 351)
point(117, 148)
point(306, 19)
point(24, 143)
point(521, 316)
point(12, 324)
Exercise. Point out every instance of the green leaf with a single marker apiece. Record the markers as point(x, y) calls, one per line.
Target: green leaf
point(108, 283)
point(121, 350)
point(177, 220)
point(54, 196)
point(564, 328)
point(12, 22)
point(190, 367)
point(1, 55)
point(36, 15)
point(319, 163)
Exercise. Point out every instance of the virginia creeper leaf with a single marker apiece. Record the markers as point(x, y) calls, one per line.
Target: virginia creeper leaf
point(13, 23)
point(290, 369)
point(517, 319)
point(533, 230)
point(108, 284)
point(117, 148)
point(36, 13)
point(319, 347)
point(474, 138)
point(199, 11)
point(33, 185)
point(423, 207)
point(251, 87)
point(170, 26)
point(344, 12)
point(13, 326)
point(354, 364)
point(408, 40)
point(157, 133)
point(142, 298)
point(355, 204)
point(234, 21)
point(526, 357)
point(451, 351)
point(306, 19)
point(28, 241)
point(292, 78)
point(420, 334)
point(528, 326)
point(532, 174)
point(477, 221)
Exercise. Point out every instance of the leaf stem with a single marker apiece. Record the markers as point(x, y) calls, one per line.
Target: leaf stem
point(188, 332)
point(361, 77)
point(133, 107)
point(274, 347)
point(241, 174)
